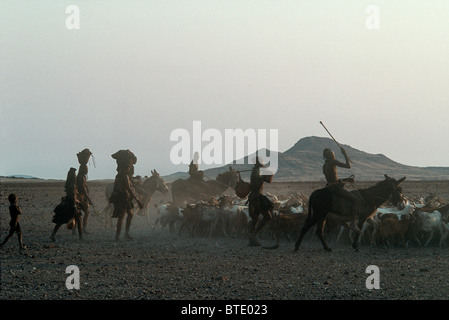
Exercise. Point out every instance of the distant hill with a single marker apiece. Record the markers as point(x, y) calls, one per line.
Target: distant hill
point(20, 176)
point(304, 161)
point(175, 176)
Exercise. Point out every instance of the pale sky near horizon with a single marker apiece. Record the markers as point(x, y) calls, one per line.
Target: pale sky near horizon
point(137, 70)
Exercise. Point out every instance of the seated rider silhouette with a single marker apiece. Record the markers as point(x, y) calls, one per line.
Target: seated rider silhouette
point(336, 185)
point(196, 176)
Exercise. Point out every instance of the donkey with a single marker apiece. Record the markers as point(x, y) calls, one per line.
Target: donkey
point(149, 187)
point(184, 190)
point(321, 203)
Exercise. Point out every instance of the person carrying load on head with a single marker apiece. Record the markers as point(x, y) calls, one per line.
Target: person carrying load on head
point(68, 210)
point(124, 193)
point(81, 185)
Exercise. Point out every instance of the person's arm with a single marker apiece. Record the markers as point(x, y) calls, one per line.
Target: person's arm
point(83, 189)
point(18, 212)
point(86, 192)
point(347, 164)
point(133, 193)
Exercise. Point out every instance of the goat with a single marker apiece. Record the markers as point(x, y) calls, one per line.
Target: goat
point(426, 223)
point(372, 227)
point(288, 224)
point(199, 219)
point(168, 214)
point(393, 227)
point(236, 220)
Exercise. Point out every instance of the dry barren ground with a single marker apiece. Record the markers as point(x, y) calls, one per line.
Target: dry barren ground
point(159, 265)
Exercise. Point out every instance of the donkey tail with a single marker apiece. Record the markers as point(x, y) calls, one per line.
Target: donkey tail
point(310, 208)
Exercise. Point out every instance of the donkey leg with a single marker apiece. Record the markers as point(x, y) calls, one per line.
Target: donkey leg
point(180, 228)
point(319, 233)
point(307, 225)
point(355, 241)
point(430, 238)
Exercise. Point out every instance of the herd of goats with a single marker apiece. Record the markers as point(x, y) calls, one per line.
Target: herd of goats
point(421, 221)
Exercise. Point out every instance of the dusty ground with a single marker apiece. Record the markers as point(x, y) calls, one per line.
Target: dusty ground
point(160, 265)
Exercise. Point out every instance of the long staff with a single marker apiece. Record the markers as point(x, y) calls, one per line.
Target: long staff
point(332, 137)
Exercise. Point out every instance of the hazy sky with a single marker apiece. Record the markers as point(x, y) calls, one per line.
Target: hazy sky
point(137, 70)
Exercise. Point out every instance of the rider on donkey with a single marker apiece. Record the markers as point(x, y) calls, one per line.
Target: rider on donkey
point(336, 185)
point(196, 176)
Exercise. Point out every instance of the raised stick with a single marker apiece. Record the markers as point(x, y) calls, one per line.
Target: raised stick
point(332, 137)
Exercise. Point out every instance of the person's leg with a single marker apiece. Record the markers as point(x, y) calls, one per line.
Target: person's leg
point(19, 237)
point(85, 218)
point(265, 218)
point(129, 218)
point(254, 215)
point(55, 229)
point(354, 205)
point(78, 219)
point(266, 208)
point(10, 234)
point(119, 226)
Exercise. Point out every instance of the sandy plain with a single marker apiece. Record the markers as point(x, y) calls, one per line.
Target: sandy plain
point(161, 265)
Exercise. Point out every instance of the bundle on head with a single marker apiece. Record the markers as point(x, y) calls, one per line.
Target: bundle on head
point(124, 158)
point(83, 156)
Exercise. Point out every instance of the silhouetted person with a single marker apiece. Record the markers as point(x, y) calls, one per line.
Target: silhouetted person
point(124, 193)
point(258, 204)
point(14, 226)
point(81, 185)
point(196, 177)
point(68, 208)
point(336, 185)
point(195, 174)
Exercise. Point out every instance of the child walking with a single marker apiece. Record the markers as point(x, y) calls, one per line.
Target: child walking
point(14, 211)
